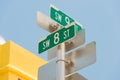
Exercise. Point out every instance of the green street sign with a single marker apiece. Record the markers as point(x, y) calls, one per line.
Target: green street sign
point(56, 38)
point(62, 18)
point(59, 16)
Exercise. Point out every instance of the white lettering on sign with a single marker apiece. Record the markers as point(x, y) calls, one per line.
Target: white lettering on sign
point(58, 17)
point(67, 20)
point(56, 38)
point(46, 44)
point(66, 33)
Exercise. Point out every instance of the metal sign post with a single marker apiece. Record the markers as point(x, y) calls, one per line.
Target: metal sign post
point(60, 63)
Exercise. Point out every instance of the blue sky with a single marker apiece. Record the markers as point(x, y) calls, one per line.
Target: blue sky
point(100, 18)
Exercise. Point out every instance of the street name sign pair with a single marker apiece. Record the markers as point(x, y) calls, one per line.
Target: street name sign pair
point(60, 35)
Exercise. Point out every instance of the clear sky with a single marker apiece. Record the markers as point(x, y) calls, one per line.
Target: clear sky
point(100, 18)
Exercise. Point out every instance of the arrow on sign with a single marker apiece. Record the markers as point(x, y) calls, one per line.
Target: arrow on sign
point(78, 59)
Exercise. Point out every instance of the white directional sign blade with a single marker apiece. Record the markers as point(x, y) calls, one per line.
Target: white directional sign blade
point(78, 59)
point(78, 40)
point(76, 76)
point(48, 71)
point(81, 57)
point(44, 22)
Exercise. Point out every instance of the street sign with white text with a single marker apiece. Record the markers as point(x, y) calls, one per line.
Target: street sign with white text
point(63, 19)
point(59, 16)
point(57, 38)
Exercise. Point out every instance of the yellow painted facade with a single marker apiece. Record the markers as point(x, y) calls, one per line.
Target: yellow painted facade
point(17, 63)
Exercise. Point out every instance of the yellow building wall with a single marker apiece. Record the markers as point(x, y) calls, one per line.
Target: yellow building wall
point(18, 63)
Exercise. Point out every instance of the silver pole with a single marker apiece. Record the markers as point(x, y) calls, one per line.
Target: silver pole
point(60, 63)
